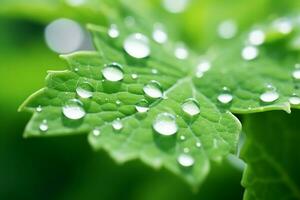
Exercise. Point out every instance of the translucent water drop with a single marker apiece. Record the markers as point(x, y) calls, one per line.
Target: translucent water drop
point(113, 31)
point(96, 132)
point(283, 25)
point(137, 45)
point(39, 108)
point(64, 36)
point(203, 66)
point(153, 89)
point(182, 137)
point(225, 97)
point(250, 53)
point(257, 37)
point(76, 69)
point(177, 6)
point(75, 3)
point(191, 107)
point(294, 99)
point(73, 109)
point(44, 126)
point(85, 90)
point(296, 74)
point(227, 29)
point(117, 124)
point(165, 124)
point(154, 71)
point(113, 72)
point(185, 160)
point(181, 51)
point(118, 102)
point(270, 95)
point(198, 144)
point(134, 76)
point(159, 34)
point(142, 106)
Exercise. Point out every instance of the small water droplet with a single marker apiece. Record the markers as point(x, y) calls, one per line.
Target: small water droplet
point(182, 137)
point(137, 45)
point(142, 106)
point(294, 99)
point(76, 3)
point(159, 34)
point(203, 66)
point(191, 107)
point(185, 160)
point(227, 29)
point(113, 72)
point(225, 97)
point(250, 53)
point(154, 71)
point(165, 124)
point(296, 74)
point(76, 69)
point(257, 37)
point(44, 126)
point(198, 144)
point(134, 76)
point(85, 90)
point(153, 89)
point(177, 6)
point(113, 31)
point(96, 132)
point(181, 51)
point(283, 25)
point(39, 108)
point(270, 95)
point(117, 124)
point(118, 102)
point(73, 109)
point(186, 150)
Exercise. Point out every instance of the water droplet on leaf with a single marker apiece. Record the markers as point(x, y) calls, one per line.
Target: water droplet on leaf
point(165, 124)
point(137, 45)
point(44, 126)
point(85, 90)
point(113, 72)
point(113, 31)
point(142, 106)
point(153, 89)
point(227, 29)
point(185, 160)
point(250, 53)
point(73, 109)
point(191, 107)
point(117, 124)
point(225, 97)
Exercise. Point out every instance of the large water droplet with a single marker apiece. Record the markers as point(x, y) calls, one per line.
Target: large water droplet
point(185, 160)
point(85, 90)
point(294, 99)
point(177, 6)
point(257, 37)
point(225, 97)
point(137, 45)
point(181, 51)
point(270, 95)
point(142, 106)
point(64, 36)
point(113, 31)
point(227, 29)
point(191, 107)
point(113, 72)
point(73, 109)
point(250, 53)
point(159, 34)
point(44, 126)
point(117, 124)
point(165, 124)
point(153, 89)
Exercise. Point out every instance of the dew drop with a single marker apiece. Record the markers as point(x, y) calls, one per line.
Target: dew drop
point(250, 53)
point(294, 99)
point(159, 34)
point(44, 126)
point(96, 132)
point(186, 150)
point(117, 124)
point(153, 89)
point(73, 109)
point(85, 90)
point(76, 69)
point(185, 160)
point(191, 107)
point(39, 108)
point(296, 74)
point(165, 124)
point(177, 6)
point(113, 72)
point(198, 144)
point(182, 137)
point(257, 37)
point(283, 26)
point(227, 29)
point(270, 95)
point(142, 106)
point(225, 97)
point(137, 45)
point(118, 102)
point(113, 31)
point(134, 76)
point(181, 51)
point(154, 71)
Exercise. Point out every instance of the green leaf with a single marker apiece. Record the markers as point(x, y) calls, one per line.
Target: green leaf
point(215, 128)
point(273, 157)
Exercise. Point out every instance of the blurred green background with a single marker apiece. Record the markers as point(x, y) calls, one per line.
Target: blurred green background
point(66, 167)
